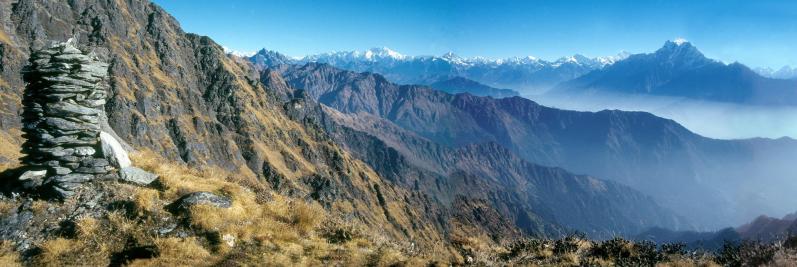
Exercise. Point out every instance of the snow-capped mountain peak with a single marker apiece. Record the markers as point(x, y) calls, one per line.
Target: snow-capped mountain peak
point(512, 72)
point(237, 53)
point(383, 52)
point(680, 41)
point(608, 60)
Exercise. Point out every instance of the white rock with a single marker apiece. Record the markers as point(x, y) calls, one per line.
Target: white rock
point(112, 151)
point(28, 175)
point(84, 151)
point(229, 239)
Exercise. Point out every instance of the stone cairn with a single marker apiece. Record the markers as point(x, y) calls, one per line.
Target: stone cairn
point(63, 102)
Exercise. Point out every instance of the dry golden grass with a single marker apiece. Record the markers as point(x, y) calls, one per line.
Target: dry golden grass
point(8, 257)
point(178, 252)
point(6, 207)
point(282, 231)
point(4, 37)
point(10, 145)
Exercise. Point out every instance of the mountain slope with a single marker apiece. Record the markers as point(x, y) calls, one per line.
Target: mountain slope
point(679, 69)
point(458, 85)
point(717, 182)
point(179, 95)
point(768, 228)
point(485, 171)
point(526, 74)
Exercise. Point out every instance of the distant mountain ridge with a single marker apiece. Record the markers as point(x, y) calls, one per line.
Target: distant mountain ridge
point(634, 148)
point(786, 72)
point(458, 85)
point(524, 74)
point(762, 228)
point(679, 69)
point(535, 198)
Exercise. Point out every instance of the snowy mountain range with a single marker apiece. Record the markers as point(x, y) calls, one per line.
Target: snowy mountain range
point(786, 72)
point(525, 74)
point(679, 69)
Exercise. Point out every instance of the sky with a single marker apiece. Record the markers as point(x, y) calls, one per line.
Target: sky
point(757, 33)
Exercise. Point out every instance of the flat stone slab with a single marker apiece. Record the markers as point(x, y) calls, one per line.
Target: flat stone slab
point(137, 176)
point(199, 198)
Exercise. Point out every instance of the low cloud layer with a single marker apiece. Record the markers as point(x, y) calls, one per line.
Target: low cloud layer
point(710, 119)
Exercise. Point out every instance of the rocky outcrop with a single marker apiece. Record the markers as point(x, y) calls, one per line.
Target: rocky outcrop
point(199, 198)
point(136, 176)
point(63, 103)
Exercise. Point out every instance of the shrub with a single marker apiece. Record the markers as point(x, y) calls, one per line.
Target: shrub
point(728, 254)
point(566, 245)
point(754, 253)
point(615, 248)
point(673, 248)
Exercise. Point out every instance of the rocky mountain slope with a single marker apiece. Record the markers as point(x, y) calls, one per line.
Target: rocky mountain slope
point(717, 182)
point(524, 74)
point(179, 95)
point(458, 85)
point(679, 69)
point(532, 196)
point(596, 207)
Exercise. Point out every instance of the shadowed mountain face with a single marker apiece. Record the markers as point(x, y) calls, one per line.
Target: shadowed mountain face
point(719, 183)
point(462, 85)
point(680, 70)
point(520, 190)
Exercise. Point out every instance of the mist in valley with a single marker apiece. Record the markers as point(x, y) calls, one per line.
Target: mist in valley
point(706, 118)
point(750, 189)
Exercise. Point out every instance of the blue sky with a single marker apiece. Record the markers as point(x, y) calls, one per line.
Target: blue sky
point(756, 33)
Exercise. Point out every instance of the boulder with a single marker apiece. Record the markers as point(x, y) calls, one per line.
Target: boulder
point(137, 176)
point(113, 151)
point(199, 198)
point(32, 178)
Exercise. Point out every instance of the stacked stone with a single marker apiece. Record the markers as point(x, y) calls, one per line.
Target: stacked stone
point(63, 103)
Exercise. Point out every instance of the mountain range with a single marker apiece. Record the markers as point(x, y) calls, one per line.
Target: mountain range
point(679, 69)
point(762, 228)
point(785, 72)
point(458, 85)
point(717, 183)
point(182, 97)
point(523, 74)
point(278, 146)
